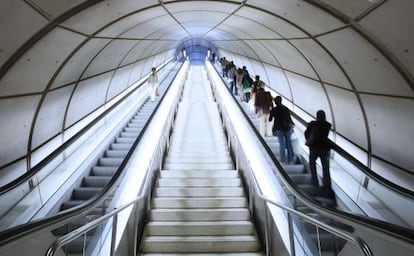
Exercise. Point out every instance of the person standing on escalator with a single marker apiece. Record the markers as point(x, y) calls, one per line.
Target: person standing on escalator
point(316, 135)
point(153, 85)
point(282, 128)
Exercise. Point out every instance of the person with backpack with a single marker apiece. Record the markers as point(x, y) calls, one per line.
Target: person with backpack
point(263, 104)
point(256, 85)
point(282, 128)
point(246, 85)
point(316, 135)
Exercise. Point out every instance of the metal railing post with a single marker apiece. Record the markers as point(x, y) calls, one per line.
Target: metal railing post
point(291, 236)
point(113, 238)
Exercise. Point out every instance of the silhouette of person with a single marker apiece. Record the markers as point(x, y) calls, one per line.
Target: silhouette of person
point(316, 135)
point(282, 128)
point(153, 84)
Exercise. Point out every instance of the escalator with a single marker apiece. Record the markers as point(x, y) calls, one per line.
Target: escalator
point(295, 179)
point(105, 167)
point(300, 175)
point(99, 178)
point(102, 172)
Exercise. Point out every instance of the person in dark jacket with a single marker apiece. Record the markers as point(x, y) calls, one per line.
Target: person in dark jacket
point(263, 104)
point(316, 135)
point(282, 128)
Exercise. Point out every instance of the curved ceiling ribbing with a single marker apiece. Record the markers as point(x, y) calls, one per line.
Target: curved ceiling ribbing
point(77, 55)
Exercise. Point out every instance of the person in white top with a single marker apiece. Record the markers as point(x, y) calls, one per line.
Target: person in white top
point(153, 84)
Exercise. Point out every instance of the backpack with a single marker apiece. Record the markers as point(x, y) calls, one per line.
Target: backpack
point(246, 82)
point(313, 135)
point(287, 123)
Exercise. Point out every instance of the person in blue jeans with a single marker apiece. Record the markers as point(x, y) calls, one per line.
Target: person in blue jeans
point(282, 128)
point(316, 135)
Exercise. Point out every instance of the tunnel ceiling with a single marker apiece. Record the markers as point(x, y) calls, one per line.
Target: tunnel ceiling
point(353, 58)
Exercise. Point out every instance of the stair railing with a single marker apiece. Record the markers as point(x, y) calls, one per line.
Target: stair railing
point(356, 240)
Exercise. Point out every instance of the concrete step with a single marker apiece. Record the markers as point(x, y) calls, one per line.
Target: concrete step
point(188, 244)
point(203, 202)
point(205, 254)
point(199, 206)
point(201, 149)
point(199, 192)
point(199, 182)
point(194, 228)
point(199, 166)
point(198, 154)
point(200, 159)
point(214, 173)
point(218, 214)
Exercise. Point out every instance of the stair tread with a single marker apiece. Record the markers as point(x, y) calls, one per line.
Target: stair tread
point(203, 238)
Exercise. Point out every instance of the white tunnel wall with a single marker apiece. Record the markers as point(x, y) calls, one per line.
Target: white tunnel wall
point(360, 72)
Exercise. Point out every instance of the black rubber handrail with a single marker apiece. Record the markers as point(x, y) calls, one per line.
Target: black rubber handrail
point(70, 214)
point(403, 233)
point(38, 167)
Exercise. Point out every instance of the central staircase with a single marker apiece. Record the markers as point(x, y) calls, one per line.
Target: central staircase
point(199, 206)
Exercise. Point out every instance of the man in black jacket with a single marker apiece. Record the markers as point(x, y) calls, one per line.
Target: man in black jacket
point(316, 135)
point(282, 128)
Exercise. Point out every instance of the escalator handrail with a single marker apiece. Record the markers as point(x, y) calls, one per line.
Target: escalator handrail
point(82, 209)
point(403, 233)
point(370, 173)
point(38, 167)
point(362, 167)
point(358, 241)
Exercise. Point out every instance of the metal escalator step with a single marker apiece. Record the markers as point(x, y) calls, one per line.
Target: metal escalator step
point(77, 246)
point(120, 146)
point(135, 125)
point(125, 140)
point(71, 203)
point(142, 119)
point(63, 230)
point(103, 170)
point(132, 130)
point(110, 161)
point(95, 181)
point(116, 153)
point(294, 168)
point(301, 178)
point(85, 193)
point(130, 134)
point(310, 190)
